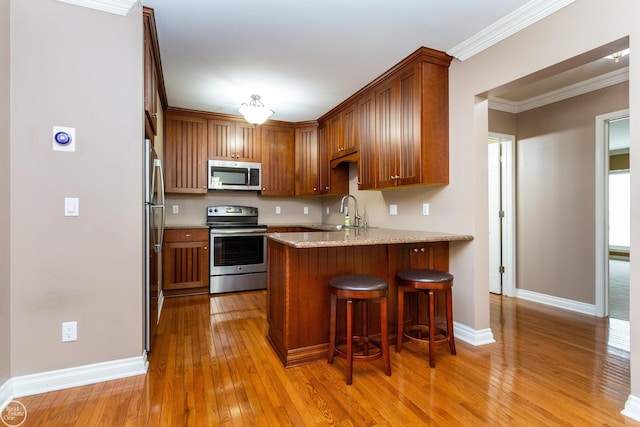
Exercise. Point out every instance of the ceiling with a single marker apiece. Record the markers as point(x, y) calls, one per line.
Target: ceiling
point(302, 57)
point(305, 57)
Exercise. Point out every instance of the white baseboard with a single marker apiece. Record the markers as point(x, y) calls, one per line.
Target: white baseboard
point(632, 408)
point(27, 385)
point(563, 303)
point(5, 394)
point(472, 336)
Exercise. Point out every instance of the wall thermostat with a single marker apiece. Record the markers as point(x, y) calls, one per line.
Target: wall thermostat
point(64, 138)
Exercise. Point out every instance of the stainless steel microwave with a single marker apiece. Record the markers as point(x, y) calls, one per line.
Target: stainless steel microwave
point(229, 175)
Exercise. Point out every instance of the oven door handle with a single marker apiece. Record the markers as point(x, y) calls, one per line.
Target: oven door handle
point(218, 233)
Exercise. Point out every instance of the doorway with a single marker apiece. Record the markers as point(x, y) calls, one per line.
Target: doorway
point(613, 225)
point(501, 214)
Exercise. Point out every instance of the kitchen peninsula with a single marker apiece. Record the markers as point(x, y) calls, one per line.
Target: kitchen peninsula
point(300, 265)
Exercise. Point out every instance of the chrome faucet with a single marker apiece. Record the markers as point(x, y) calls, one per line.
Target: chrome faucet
point(357, 216)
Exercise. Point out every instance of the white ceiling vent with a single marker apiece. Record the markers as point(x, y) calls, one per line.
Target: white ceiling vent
point(119, 7)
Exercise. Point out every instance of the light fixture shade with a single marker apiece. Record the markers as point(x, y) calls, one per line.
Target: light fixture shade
point(255, 112)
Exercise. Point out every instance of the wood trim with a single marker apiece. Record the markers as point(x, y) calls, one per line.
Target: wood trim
point(148, 14)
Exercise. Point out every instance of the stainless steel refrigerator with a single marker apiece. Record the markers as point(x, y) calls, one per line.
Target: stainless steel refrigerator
point(154, 231)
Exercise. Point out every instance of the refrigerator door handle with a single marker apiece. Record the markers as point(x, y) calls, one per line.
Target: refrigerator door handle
point(157, 164)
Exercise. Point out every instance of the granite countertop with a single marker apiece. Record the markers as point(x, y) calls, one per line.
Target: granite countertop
point(360, 236)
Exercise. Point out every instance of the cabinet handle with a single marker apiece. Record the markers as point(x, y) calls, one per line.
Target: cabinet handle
point(422, 249)
point(205, 248)
point(315, 189)
point(187, 235)
point(154, 115)
point(326, 188)
point(264, 189)
point(415, 250)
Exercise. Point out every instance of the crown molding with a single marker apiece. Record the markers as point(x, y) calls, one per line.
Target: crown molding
point(118, 7)
point(600, 82)
point(517, 20)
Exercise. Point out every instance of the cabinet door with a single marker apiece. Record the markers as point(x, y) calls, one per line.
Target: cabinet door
point(334, 136)
point(306, 163)
point(332, 181)
point(247, 146)
point(150, 81)
point(410, 141)
point(185, 259)
point(185, 154)
point(386, 147)
point(221, 139)
point(277, 160)
point(366, 130)
point(349, 123)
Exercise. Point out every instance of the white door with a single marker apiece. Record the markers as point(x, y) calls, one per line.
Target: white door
point(502, 237)
point(495, 220)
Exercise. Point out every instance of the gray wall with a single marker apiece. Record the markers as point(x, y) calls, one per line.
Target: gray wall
point(5, 254)
point(555, 186)
point(78, 67)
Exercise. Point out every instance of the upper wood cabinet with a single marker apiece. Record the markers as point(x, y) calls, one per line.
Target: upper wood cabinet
point(278, 177)
point(398, 125)
point(233, 140)
point(365, 135)
point(306, 160)
point(341, 132)
point(154, 94)
point(185, 154)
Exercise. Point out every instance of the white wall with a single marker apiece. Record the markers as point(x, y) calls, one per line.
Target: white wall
point(77, 67)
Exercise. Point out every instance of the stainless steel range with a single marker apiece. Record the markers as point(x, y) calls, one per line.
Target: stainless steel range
point(238, 249)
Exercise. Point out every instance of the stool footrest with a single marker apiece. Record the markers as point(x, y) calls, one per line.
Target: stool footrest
point(422, 332)
point(361, 354)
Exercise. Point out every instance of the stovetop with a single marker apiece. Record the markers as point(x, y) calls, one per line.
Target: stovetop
point(227, 216)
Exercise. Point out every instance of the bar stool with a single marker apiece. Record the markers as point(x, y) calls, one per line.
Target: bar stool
point(358, 288)
point(428, 282)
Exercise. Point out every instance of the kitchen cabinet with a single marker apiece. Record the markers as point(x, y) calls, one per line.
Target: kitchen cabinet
point(331, 181)
point(306, 160)
point(396, 127)
point(185, 261)
point(234, 140)
point(412, 125)
point(185, 154)
point(365, 134)
point(154, 94)
point(278, 178)
point(341, 132)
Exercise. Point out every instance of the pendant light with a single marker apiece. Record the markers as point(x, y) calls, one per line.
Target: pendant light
point(255, 112)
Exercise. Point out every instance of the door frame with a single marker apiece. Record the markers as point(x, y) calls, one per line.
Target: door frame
point(601, 214)
point(508, 149)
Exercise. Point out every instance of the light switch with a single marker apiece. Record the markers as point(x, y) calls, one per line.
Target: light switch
point(306, 210)
point(277, 210)
point(176, 209)
point(71, 206)
point(425, 209)
point(393, 209)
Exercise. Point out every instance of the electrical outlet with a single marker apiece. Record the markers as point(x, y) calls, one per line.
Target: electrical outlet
point(176, 209)
point(393, 209)
point(69, 331)
point(328, 210)
point(278, 210)
point(425, 209)
point(306, 210)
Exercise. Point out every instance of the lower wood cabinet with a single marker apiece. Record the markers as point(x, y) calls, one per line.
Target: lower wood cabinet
point(185, 261)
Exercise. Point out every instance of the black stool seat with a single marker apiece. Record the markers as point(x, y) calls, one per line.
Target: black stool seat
point(358, 282)
point(358, 288)
point(425, 276)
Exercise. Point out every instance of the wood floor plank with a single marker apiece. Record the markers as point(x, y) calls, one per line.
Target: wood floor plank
point(212, 365)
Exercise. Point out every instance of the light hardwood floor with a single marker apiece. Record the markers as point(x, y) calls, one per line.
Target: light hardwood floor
point(213, 366)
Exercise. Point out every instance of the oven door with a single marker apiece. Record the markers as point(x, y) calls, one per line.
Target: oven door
point(238, 252)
